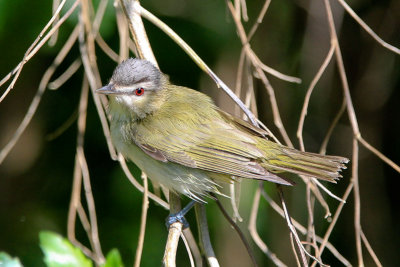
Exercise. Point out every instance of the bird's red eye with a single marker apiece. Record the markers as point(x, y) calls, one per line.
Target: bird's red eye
point(139, 91)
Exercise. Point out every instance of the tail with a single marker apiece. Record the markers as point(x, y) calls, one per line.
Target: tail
point(281, 158)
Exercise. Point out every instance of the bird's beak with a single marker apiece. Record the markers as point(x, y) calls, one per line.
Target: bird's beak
point(107, 90)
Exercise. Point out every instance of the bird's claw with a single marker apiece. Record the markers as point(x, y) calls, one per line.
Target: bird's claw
point(177, 217)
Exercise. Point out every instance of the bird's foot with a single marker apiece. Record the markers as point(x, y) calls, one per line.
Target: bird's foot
point(180, 216)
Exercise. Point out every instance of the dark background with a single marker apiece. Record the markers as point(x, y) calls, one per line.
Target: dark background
point(36, 178)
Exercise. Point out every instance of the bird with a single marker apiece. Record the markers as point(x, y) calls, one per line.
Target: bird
point(183, 141)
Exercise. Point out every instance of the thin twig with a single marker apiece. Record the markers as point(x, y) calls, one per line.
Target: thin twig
point(253, 229)
point(303, 230)
point(92, 73)
point(188, 249)
point(370, 250)
point(32, 50)
point(106, 49)
point(327, 190)
point(196, 59)
point(123, 32)
point(234, 192)
point(378, 154)
point(259, 20)
point(335, 121)
point(193, 246)
point(38, 96)
point(308, 95)
point(238, 231)
point(368, 29)
point(74, 205)
point(94, 235)
point(357, 203)
point(143, 217)
point(58, 82)
point(342, 72)
point(335, 218)
point(264, 79)
point(53, 39)
point(137, 185)
point(293, 233)
point(239, 78)
point(204, 235)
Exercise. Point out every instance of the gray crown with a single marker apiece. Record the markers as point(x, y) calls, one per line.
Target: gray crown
point(133, 71)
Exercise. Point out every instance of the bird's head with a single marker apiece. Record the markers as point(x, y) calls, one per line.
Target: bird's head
point(136, 86)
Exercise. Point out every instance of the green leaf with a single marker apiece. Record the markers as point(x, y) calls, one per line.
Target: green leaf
point(113, 259)
point(7, 261)
point(59, 252)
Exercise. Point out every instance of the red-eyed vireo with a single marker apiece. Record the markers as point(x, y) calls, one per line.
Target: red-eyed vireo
point(184, 142)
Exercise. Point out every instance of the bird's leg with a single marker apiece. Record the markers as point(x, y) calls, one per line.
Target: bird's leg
point(180, 216)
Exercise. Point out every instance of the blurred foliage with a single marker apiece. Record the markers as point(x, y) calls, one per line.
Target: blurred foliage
point(59, 252)
point(36, 178)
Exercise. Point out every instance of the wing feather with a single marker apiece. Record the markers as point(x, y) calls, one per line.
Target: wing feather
point(223, 149)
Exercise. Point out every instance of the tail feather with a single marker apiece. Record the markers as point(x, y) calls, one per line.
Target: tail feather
point(304, 163)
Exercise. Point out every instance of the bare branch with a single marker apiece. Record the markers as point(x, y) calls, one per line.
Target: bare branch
point(145, 206)
point(368, 29)
point(71, 70)
point(308, 96)
point(36, 45)
point(38, 96)
point(253, 229)
point(378, 154)
point(370, 250)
